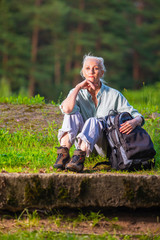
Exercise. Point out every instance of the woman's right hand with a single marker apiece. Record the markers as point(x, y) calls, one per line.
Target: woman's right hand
point(86, 84)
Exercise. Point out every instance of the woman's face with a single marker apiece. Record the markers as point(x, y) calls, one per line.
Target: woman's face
point(92, 70)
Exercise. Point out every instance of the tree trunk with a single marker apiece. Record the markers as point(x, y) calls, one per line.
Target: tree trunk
point(68, 68)
point(34, 50)
point(77, 65)
point(136, 69)
point(79, 47)
point(4, 64)
point(68, 59)
point(136, 65)
point(57, 69)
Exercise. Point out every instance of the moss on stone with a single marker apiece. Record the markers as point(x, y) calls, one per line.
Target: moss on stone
point(129, 191)
point(145, 195)
point(84, 187)
point(36, 194)
point(63, 193)
point(12, 200)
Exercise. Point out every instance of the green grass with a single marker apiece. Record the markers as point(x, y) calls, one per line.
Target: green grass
point(25, 150)
point(39, 235)
point(92, 218)
point(23, 100)
point(146, 100)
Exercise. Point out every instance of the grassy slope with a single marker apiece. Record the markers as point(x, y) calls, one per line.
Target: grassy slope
point(28, 131)
point(28, 137)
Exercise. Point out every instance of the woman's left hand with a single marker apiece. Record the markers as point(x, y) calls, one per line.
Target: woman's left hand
point(128, 126)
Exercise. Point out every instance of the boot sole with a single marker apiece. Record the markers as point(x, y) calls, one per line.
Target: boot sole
point(60, 166)
point(74, 170)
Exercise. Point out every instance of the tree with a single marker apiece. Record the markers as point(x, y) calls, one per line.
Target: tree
point(13, 45)
point(34, 49)
point(42, 42)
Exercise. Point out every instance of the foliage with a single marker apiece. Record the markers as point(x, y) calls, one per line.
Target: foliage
point(23, 100)
point(5, 89)
point(42, 43)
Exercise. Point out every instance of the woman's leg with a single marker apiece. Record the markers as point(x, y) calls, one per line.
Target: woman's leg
point(72, 124)
point(92, 136)
point(66, 135)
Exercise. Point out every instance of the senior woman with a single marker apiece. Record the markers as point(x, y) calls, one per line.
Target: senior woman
point(89, 100)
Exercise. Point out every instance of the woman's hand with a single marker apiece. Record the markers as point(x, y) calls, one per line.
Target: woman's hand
point(128, 126)
point(86, 84)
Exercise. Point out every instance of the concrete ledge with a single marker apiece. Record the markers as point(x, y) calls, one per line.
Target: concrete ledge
point(47, 191)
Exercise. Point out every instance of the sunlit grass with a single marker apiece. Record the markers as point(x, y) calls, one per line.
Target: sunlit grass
point(23, 100)
point(146, 100)
point(27, 151)
point(24, 150)
point(50, 235)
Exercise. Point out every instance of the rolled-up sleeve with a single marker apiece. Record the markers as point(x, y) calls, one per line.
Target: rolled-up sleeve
point(124, 106)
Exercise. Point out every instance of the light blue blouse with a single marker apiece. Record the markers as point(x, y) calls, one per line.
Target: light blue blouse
point(108, 99)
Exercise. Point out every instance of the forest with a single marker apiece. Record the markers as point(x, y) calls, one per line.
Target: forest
point(42, 44)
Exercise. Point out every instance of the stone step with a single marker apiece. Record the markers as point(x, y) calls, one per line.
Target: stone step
point(57, 190)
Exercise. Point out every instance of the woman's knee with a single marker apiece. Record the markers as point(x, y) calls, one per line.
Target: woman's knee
point(92, 122)
point(92, 127)
point(72, 122)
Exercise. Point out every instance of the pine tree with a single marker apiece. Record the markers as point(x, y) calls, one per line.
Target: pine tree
point(42, 43)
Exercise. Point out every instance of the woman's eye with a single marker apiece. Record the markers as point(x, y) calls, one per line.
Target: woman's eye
point(87, 68)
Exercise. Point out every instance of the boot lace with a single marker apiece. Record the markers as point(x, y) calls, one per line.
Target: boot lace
point(59, 156)
point(75, 158)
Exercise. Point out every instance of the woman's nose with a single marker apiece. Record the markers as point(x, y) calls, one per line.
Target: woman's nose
point(92, 70)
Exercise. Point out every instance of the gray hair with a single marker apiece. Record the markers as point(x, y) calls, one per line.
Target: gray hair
point(99, 59)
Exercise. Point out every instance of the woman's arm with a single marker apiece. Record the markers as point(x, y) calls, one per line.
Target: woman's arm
point(128, 126)
point(122, 105)
point(69, 103)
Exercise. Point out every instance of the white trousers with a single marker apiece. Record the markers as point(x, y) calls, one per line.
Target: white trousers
point(90, 132)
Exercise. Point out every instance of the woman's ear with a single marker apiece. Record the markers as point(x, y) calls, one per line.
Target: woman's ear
point(82, 73)
point(101, 74)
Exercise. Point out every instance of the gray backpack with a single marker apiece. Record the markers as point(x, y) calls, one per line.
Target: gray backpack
point(130, 152)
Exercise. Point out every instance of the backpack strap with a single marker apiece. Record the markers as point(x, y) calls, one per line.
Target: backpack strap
point(102, 163)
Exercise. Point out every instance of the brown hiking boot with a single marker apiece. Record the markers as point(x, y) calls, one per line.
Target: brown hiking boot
point(77, 162)
point(63, 158)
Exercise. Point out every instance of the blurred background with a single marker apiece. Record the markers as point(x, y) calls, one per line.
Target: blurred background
point(42, 44)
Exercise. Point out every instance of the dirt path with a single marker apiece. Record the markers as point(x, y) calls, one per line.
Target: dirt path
point(35, 117)
point(127, 222)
